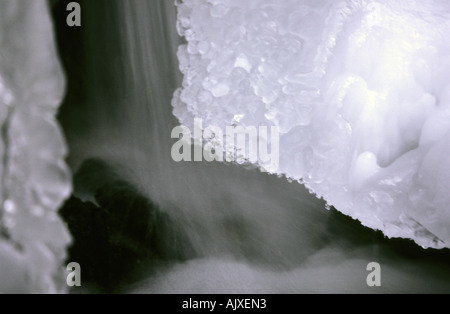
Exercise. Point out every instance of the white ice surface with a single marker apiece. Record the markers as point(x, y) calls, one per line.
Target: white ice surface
point(359, 89)
point(33, 177)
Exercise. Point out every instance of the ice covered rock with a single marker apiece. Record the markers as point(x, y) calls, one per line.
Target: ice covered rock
point(34, 179)
point(359, 89)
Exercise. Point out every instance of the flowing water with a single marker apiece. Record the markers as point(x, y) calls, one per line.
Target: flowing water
point(242, 230)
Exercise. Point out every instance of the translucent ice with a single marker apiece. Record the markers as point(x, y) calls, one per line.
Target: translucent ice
point(358, 88)
point(33, 177)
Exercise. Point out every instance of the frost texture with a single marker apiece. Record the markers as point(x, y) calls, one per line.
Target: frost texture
point(359, 89)
point(34, 178)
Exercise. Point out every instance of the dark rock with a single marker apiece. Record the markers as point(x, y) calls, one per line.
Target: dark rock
point(125, 232)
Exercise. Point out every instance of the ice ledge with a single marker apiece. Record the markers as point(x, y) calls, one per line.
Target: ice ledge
point(359, 90)
point(34, 177)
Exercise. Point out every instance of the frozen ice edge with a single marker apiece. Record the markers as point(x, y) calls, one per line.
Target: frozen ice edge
point(392, 191)
point(35, 180)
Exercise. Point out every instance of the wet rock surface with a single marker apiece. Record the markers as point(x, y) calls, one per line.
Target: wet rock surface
point(120, 233)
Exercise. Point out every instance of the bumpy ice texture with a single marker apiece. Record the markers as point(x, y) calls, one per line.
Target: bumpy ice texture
point(359, 89)
point(33, 177)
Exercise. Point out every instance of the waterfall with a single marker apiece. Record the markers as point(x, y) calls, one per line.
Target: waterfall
point(247, 231)
point(127, 120)
point(212, 227)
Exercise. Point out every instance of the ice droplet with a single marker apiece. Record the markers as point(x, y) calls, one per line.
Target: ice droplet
point(220, 90)
point(9, 206)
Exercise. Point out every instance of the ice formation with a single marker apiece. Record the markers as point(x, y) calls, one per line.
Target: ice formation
point(359, 89)
point(33, 177)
